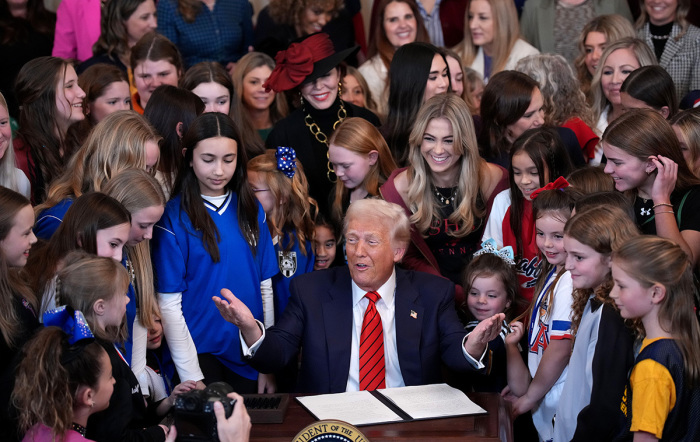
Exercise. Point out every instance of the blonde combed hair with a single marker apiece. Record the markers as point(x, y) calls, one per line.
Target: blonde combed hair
point(471, 167)
point(87, 278)
point(136, 189)
point(642, 53)
point(116, 143)
point(506, 32)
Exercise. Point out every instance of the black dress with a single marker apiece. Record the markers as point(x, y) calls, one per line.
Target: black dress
point(311, 153)
point(10, 357)
point(126, 418)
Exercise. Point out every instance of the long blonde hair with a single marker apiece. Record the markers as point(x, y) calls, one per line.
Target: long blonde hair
point(116, 143)
point(469, 199)
point(294, 212)
point(137, 190)
point(361, 137)
point(642, 53)
point(506, 31)
point(653, 260)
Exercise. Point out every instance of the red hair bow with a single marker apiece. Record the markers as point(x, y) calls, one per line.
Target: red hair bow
point(297, 62)
point(557, 184)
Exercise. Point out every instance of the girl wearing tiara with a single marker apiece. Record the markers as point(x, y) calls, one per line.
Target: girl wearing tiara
point(491, 286)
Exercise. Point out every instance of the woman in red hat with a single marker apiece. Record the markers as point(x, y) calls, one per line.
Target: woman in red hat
point(311, 68)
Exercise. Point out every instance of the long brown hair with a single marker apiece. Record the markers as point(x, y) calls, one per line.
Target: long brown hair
point(603, 229)
point(36, 91)
point(89, 213)
point(653, 260)
point(252, 142)
point(361, 137)
point(206, 126)
point(12, 287)
point(114, 40)
point(380, 45)
point(643, 133)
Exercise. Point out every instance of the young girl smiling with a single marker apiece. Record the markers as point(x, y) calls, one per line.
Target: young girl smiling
point(602, 353)
point(549, 335)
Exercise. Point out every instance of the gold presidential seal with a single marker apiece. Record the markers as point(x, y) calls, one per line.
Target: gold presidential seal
point(330, 430)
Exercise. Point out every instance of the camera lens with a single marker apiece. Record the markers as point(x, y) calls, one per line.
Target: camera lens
point(190, 403)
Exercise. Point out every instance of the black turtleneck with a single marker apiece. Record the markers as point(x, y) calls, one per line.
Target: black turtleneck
point(311, 153)
point(659, 36)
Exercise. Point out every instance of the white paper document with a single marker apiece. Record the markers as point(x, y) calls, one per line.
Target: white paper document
point(355, 407)
point(430, 401)
point(409, 403)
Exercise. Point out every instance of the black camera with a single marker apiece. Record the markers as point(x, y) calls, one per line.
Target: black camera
point(194, 412)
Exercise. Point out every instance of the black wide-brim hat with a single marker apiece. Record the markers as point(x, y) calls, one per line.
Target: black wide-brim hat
point(305, 61)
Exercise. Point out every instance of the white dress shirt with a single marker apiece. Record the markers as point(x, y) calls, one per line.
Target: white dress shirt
point(386, 308)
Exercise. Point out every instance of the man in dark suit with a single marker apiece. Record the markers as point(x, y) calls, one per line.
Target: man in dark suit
point(326, 311)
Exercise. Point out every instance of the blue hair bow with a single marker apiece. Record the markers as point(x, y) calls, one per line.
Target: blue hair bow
point(285, 161)
point(72, 322)
point(489, 246)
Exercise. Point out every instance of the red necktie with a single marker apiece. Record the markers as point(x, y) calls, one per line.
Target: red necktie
point(372, 347)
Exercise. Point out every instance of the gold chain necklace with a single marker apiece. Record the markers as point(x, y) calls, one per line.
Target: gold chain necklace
point(323, 139)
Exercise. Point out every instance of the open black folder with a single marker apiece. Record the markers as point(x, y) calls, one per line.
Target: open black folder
point(391, 405)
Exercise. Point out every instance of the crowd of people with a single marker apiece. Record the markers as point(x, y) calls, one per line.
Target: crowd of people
point(499, 195)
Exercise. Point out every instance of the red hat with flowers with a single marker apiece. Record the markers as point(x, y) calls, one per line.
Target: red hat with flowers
point(305, 61)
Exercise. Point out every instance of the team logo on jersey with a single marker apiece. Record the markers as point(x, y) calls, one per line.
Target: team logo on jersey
point(287, 262)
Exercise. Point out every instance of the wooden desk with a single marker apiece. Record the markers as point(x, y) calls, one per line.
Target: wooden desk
point(494, 426)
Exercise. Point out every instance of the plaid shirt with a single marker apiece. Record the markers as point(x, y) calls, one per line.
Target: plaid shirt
point(222, 35)
point(680, 58)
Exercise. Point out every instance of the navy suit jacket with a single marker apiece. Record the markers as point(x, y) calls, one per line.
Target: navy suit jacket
point(319, 319)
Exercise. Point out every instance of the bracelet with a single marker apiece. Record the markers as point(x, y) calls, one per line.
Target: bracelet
point(665, 211)
point(661, 204)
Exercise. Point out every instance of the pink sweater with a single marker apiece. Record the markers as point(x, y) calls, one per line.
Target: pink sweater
point(77, 28)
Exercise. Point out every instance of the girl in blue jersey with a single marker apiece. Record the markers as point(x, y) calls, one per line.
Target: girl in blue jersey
point(280, 185)
point(142, 195)
point(213, 234)
point(654, 284)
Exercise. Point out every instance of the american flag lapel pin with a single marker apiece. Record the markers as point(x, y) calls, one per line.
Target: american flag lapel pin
point(414, 315)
